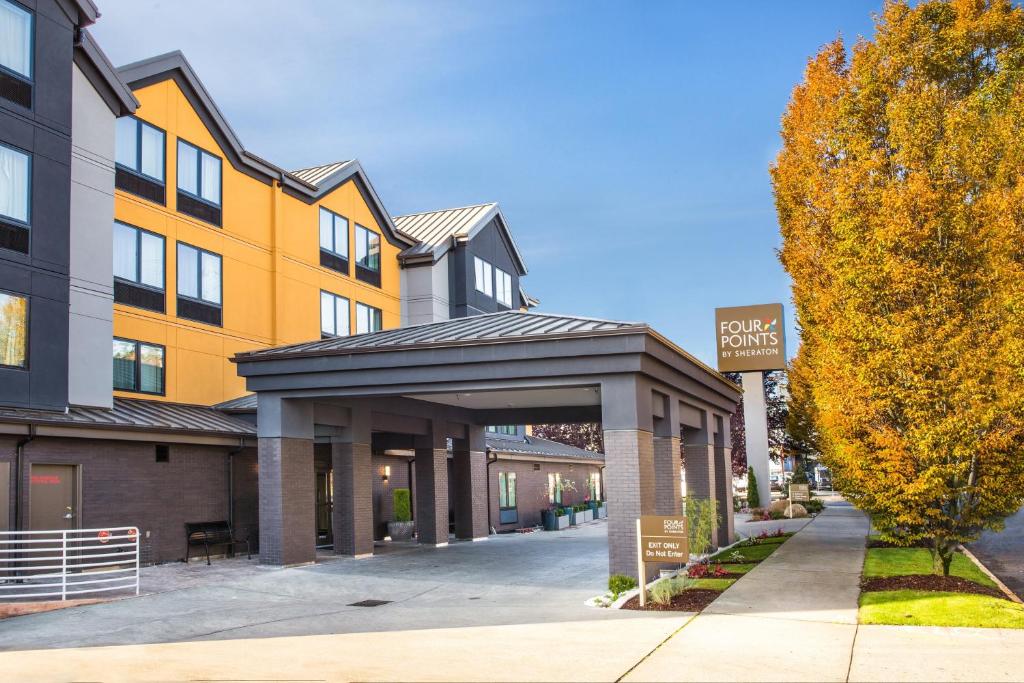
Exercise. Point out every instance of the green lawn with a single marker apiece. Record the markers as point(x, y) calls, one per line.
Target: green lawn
point(738, 568)
point(927, 608)
point(882, 562)
point(748, 553)
point(713, 584)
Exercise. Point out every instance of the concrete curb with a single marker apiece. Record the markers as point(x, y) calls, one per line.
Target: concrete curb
point(1002, 586)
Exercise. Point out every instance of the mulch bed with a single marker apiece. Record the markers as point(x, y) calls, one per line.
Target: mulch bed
point(928, 582)
point(691, 600)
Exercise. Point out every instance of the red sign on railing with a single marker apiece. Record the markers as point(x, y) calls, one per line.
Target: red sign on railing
point(103, 536)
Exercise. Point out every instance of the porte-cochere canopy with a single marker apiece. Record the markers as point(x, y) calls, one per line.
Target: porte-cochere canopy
point(422, 385)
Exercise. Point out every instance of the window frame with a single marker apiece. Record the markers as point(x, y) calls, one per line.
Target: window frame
point(199, 174)
point(348, 308)
point(504, 489)
point(502, 429)
point(478, 278)
point(499, 276)
point(138, 367)
point(334, 216)
point(31, 77)
point(368, 231)
point(27, 223)
point(199, 275)
point(138, 152)
point(28, 322)
point(371, 309)
point(138, 259)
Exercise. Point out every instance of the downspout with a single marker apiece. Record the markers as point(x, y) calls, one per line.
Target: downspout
point(231, 480)
point(601, 492)
point(412, 501)
point(19, 469)
point(489, 499)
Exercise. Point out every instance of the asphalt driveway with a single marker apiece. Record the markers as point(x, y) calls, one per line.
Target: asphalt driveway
point(508, 579)
point(1003, 552)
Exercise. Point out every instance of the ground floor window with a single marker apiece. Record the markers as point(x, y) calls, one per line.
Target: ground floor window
point(138, 366)
point(594, 485)
point(13, 330)
point(555, 488)
point(506, 490)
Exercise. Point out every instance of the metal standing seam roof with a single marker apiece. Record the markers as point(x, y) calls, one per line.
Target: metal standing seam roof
point(138, 414)
point(434, 231)
point(314, 175)
point(491, 327)
point(533, 445)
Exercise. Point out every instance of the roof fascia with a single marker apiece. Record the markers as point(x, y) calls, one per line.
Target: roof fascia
point(104, 78)
point(503, 225)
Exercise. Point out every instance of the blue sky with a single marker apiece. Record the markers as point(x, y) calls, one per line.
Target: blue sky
point(628, 143)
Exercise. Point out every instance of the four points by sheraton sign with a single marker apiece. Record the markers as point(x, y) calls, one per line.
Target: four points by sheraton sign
point(750, 338)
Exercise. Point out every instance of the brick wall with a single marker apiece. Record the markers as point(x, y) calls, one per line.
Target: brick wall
point(532, 488)
point(383, 502)
point(123, 485)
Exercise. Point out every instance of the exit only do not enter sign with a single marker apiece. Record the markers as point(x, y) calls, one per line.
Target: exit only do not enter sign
point(664, 539)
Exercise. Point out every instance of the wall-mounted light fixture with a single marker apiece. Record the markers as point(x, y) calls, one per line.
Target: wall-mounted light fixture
point(387, 473)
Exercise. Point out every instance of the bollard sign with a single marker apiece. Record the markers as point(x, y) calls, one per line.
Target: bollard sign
point(664, 539)
point(750, 338)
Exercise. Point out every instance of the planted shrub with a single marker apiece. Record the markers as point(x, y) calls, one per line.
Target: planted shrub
point(666, 589)
point(401, 505)
point(701, 516)
point(619, 584)
point(753, 497)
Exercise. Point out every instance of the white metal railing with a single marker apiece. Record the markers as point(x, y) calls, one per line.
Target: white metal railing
point(63, 564)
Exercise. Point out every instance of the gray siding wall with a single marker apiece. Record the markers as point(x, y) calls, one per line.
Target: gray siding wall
point(91, 267)
point(490, 245)
point(425, 293)
point(42, 275)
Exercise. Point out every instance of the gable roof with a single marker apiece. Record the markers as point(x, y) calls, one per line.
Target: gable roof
point(437, 231)
point(174, 66)
point(536, 446)
point(103, 76)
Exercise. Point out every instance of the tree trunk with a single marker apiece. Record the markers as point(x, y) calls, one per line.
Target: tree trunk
point(942, 556)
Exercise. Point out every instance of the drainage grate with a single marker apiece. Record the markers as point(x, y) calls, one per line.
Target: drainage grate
point(369, 603)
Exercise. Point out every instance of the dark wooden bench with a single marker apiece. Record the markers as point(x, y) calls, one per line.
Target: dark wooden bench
point(208, 534)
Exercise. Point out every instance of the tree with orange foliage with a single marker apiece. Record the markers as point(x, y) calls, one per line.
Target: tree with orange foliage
point(900, 194)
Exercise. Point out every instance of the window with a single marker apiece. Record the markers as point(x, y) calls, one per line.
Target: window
point(15, 172)
point(199, 274)
point(140, 148)
point(509, 430)
point(482, 276)
point(506, 490)
point(334, 233)
point(334, 315)
point(138, 367)
point(138, 256)
point(503, 286)
point(16, 39)
point(367, 319)
point(198, 173)
point(367, 248)
point(13, 330)
point(554, 488)
point(594, 486)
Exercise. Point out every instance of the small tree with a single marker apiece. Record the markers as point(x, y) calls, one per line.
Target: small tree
point(701, 517)
point(401, 507)
point(753, 496)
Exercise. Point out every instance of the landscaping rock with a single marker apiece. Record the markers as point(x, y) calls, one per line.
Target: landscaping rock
point(779, 506)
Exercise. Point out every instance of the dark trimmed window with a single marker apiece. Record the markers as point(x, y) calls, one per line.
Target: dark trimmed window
point(138, 267)
point(367, 256)
point(594, 485)
point(507, 430)
point(507, 498)
point(368, 319)
point(200, 281)
point(139, 156)
point(502, 287)
point(334, 315)
point(13, 330)
point(138, 367)
point(199, 183)
point(15, 198)
point(333, 241)
point(16, 47)
point(483, 276)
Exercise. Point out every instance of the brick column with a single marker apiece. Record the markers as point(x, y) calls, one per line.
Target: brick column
point(286, 496)
point(629, 467)
point(699, 463)
point(469, 470)
point(352, 518)
point(432, 488)
point(723, 480)
point(287, 522)
point(667, 458)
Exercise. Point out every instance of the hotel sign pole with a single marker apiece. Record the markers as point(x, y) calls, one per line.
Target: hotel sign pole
point(750, 341)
